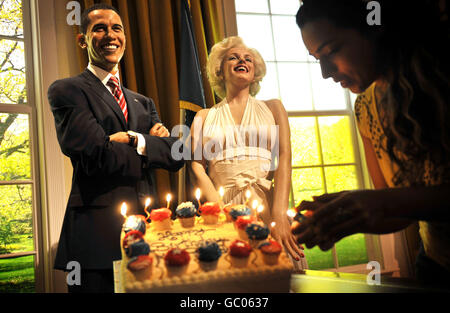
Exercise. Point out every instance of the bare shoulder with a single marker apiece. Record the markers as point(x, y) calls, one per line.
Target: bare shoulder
point(276, 107)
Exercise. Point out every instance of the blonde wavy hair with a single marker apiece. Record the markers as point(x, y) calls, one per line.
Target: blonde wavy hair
point(215, 62)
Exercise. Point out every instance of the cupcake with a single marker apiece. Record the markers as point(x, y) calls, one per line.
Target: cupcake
point(241, 224)
point(141, 267)
point(161, 219)
point(226, 210)
point(239, 210)
point(134, 238)
point(239, 253)
point(135, 222)
point(176, 261)
point(210, 212)
point(256, 233)
point(270, 251)
point(208, 255)
point(186, 214)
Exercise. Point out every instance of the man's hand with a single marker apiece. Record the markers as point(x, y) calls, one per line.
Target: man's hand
point(159, 130)
point(121, 137)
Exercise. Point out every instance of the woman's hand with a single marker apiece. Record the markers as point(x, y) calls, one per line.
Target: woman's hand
point(282, 233)
point(339, 215)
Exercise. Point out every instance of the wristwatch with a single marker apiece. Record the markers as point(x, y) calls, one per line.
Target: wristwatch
point(132, 138)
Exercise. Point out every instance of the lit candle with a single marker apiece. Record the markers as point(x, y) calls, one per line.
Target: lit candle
point(248, 194)
point(291, 213)
point(260, 210)
point(198, 193)
point(168, 199)
point(123, 210)
point(221, 193)
point(273, 224)
point(148, 201)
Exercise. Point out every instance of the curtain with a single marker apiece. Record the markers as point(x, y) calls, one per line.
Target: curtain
point(150, 63)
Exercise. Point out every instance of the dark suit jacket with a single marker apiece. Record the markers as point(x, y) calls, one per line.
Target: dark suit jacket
point(105, 173)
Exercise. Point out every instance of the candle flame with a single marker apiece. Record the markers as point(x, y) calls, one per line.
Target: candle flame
point(221, 192)
point(254, 204)
point(198, 193)
point(260, 208)
point(168, 198)
point(123, 209)
point(148, 201)
point(291, 213)
point(273, 224)
point(248, 194)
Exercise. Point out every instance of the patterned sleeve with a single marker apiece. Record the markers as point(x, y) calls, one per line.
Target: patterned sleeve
point(362, 113)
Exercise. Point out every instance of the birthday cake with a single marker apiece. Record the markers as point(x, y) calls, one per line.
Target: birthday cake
point(209, 254)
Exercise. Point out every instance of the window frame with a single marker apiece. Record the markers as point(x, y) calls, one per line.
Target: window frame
point(29, 108)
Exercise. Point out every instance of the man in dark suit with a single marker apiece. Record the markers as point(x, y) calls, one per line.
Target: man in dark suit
point(114, 139)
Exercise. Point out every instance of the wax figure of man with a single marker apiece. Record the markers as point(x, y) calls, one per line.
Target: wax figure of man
point(94, 115)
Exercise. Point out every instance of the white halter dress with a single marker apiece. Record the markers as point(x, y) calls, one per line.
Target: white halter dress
point(240, 156)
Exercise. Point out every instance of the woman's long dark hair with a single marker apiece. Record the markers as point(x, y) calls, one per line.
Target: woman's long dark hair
point(413, 56)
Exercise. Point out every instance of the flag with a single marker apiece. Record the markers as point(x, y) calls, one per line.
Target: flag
point(192, 96)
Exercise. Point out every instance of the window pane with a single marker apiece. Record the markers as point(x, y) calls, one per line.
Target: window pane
point(15, 159)
point(336, 139)
point(11, 18)
point(352, 250)
point(17, 275)
point(307, 183)
point(256, 6)
point(304, 144)
point(284, 7)
point(269, 85)
point(256, 32)
point(295, 86)
point(318, 259)
point(340, 178)
point(328, 95)
point(288, 41)
point(16, 219)
point(12, 72)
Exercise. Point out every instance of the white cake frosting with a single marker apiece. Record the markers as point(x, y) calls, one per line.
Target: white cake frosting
point(256, 277)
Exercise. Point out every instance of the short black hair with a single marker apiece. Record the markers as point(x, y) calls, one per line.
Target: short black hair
point(85, 16)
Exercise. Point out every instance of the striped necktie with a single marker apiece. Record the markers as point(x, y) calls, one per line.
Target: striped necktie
point(118, 95)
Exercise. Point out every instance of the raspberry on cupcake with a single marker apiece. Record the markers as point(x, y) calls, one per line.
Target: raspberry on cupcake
point(210, 212)
point(161, 219)
point(239, 253)
point(270, 251)
point(176, 261)
point(186, 212)
point(141, 267)
point(208, 254)
point(241, 224)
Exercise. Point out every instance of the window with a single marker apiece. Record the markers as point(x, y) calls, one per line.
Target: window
point(17, 181)
point(323, 133)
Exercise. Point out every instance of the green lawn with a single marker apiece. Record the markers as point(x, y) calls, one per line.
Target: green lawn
point(17, 274)
point(350, 250)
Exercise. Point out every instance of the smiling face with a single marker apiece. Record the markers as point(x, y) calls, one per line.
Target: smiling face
point(104, 39)
point(238, 66)
point(344, 54)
